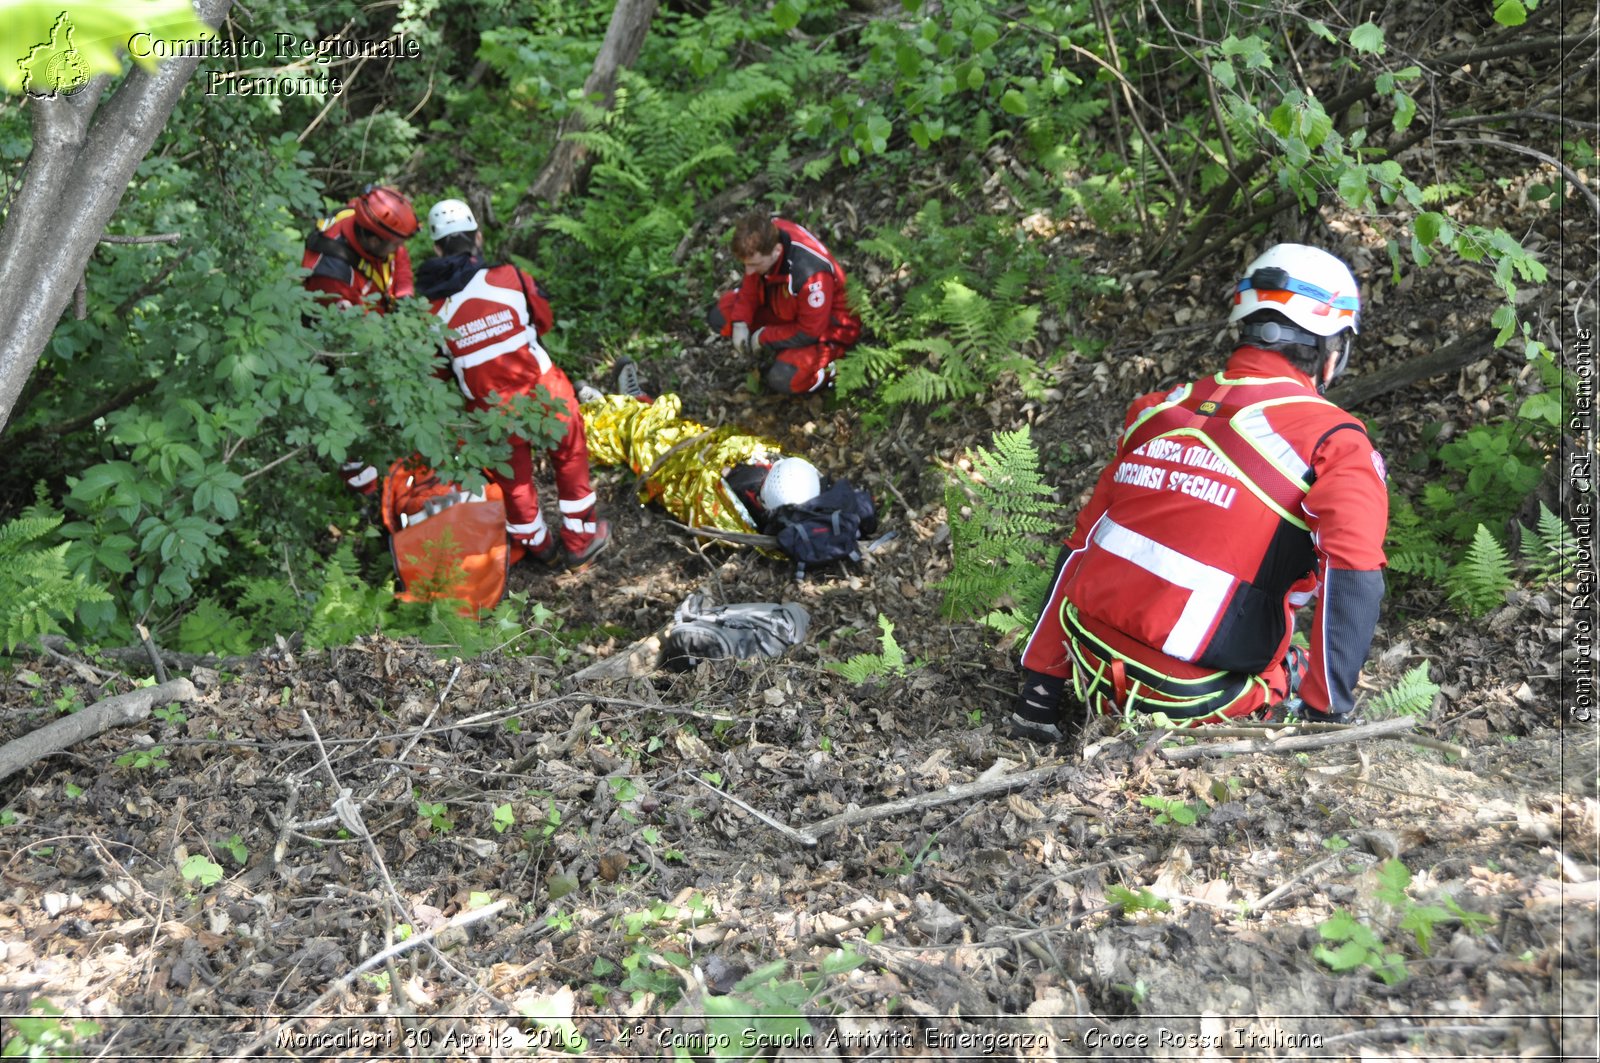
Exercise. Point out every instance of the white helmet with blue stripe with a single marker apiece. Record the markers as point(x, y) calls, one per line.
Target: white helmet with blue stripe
point(1307, 285)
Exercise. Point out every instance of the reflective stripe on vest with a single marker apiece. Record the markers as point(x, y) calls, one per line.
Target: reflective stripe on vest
point(1265, 462)
point(521, 337)
point(1207, 585)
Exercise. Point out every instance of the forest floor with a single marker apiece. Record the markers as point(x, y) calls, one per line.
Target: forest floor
point(721, 860)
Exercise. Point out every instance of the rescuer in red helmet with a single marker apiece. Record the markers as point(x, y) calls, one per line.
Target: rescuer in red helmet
point(358, 257)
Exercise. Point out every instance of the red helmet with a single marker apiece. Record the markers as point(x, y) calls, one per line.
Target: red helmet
point(385, 213)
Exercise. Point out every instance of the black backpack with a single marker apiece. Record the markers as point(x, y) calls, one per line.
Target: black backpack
point(827, 528)
point(731, 632)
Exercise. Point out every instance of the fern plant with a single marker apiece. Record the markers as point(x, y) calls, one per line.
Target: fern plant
point(1479, 581)
point(979, 339)
point(1553, 557)
point(1000, 514)
point(1411, 695)
point(1411, 545)
point(865, 666)
point(37, 591)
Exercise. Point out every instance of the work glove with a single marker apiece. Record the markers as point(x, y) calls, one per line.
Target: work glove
point(741, 337)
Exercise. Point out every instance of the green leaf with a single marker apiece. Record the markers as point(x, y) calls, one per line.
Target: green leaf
point(1405, 109)
point(1353, 187)
point(199, 869)
point(1393, 878)
point(1367, 37)
point(785, 15)
point(1346, 957)
point(1222, 71)
point(1511, 13)
point(1429, 226)
point(1014, 102)
point(1321, 30)
point(983, 37)
point(1504, 319)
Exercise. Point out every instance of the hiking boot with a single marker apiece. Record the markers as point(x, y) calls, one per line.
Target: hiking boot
point(588, 393)
point(628, 380)
point(584, 558)
point(547, 553)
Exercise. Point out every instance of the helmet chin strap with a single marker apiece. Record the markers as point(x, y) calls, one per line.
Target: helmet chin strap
point(1277, 332)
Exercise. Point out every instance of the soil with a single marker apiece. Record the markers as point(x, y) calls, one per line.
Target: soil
point(649, 860)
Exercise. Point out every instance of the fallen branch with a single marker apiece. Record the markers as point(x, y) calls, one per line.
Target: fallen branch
point(399, 948)
point(1265, 731)
point(761, 542)
point(808, 840)
point(117, 711)
point(932, 799)
point(1452, 356)
point(129, 655)
point(1290, 743)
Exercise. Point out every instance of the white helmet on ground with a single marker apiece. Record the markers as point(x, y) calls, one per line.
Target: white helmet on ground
point(789, 482)
point(448, 217)
point(1307, 285)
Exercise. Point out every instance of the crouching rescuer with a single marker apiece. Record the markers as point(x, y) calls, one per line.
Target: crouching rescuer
point(1231, 502)
point(791, 305)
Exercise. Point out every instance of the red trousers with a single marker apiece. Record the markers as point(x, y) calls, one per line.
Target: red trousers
point(795, 370)
point(569, 458)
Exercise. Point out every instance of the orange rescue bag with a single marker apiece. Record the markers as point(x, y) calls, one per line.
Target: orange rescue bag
point(447, 543)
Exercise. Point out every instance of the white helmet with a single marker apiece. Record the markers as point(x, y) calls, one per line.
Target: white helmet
point(790, 481)
point(1307, 285)
point(448, 217)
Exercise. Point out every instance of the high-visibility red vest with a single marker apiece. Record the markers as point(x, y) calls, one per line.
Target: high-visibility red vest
point(1198, 545)
point(498, 316)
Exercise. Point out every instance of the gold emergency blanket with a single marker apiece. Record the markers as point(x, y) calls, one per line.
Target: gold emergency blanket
point(683, 461)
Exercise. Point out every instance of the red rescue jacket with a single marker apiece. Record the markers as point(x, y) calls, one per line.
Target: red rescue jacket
point(1230, 502)
point(804, 295)
point(341, 270)
point(498, 317)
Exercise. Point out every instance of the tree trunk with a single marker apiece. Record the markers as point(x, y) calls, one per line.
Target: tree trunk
point(79, 167)
point(630, 21)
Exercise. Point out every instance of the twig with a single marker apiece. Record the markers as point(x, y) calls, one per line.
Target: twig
point(417, 736)
point(1271, 898)
point(155, 654)
point(273, 464)
point(934, 798)
point(152, 238)
point(1291, 743)
point(87, 672)
point(808, 840)
point(399, 948)
point(1521, 149)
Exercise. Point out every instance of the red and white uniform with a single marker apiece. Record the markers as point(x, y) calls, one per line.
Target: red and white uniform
point(498, 317)
point(798, 311)
point(339, 268)
point(1230, 502)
